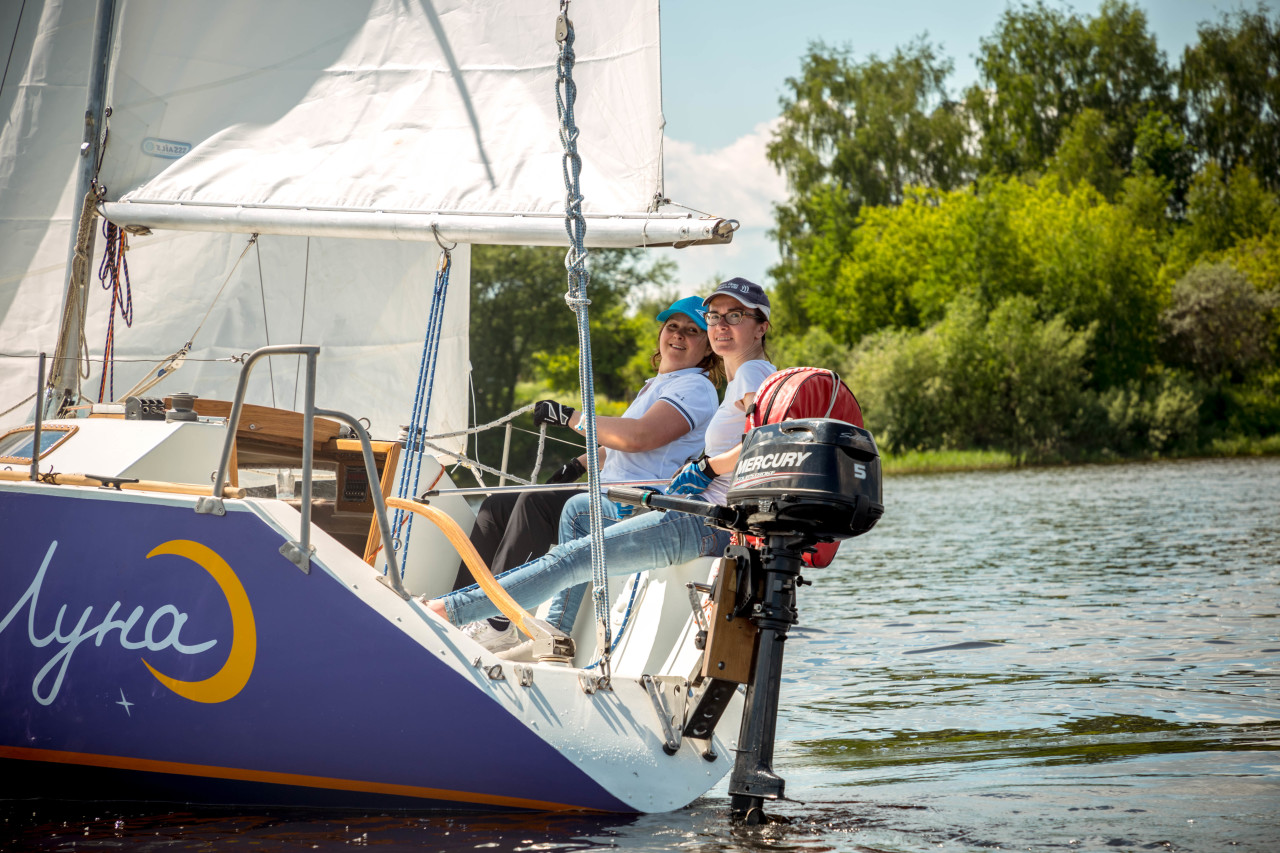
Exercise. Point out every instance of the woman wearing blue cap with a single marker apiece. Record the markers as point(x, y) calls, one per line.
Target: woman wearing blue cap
point(660, 431)
point(738, 323)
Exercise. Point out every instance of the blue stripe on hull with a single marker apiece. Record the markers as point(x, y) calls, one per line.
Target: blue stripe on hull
point(336, 692)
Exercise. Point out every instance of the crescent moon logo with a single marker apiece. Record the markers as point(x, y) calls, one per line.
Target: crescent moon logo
point(234, 675)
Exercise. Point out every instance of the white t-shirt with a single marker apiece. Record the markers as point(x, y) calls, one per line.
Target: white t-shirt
point(693, 396)
point(725, 430)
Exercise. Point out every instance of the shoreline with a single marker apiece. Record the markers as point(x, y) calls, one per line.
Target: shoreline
point(957, 461)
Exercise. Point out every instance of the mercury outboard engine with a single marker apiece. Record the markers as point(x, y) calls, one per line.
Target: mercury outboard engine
point(798, 483)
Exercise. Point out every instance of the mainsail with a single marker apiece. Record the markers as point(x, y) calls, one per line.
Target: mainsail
point(310, 123)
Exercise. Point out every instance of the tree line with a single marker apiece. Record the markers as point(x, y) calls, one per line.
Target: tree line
point(1077, 256)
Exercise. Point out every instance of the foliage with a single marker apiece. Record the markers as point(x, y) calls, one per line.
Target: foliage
point(1004, 381)
point(1159, 414)
point(1218, 324)
point(1084, 155)
point(519, 322)
point(1221, 212)
point(1259, 259)
point(817, 348)
point(1081, 259)
point(1077, 256)
point(1231, 80)
point(1043, 68)
point(859, 133)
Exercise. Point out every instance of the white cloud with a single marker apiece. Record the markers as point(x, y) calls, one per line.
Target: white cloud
point(736, 182)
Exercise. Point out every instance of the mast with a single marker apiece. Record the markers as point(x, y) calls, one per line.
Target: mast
point(64, 378)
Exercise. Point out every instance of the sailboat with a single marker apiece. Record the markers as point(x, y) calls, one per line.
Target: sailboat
point(298, 184)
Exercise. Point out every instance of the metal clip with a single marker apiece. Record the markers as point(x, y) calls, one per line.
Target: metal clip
point(494, 671)
point(699, 615)
point(671, 736)
point(209, 505)
point(524, 675)
point(562, 25)
point(292, 551)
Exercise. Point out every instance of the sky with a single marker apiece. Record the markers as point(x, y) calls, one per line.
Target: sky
point(724, 66)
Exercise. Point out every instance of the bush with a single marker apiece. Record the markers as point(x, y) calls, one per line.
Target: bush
point(1005, 382)
point(1159, 415)
point(1218, 324)
point(814, 348)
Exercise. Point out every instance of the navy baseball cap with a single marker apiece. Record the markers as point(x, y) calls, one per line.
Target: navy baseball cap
point(750, 294)
point(690, 306)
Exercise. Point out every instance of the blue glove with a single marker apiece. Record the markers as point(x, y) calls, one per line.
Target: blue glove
point(692, 479)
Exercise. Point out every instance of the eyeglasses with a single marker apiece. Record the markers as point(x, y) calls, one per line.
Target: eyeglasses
point(690, 331)
point(733, 318)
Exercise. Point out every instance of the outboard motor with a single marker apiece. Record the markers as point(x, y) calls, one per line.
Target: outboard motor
point(798, 483)
point(815, 476)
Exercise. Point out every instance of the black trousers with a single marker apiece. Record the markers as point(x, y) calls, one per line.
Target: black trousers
point(513, 528)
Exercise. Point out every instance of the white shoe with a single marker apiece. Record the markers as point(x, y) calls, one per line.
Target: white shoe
point(520, 652)
point(491, 638)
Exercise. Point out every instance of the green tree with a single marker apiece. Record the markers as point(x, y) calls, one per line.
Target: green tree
point(519, 321)
point(1002, 380)
point(1092, 263)
point(1231, 81)
point(1222, 211)
point(1085, 155)
point(1043, 67)
point(1219, 325)
point(856, 134)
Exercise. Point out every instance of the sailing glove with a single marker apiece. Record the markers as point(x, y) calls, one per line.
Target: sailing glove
point(569, 472)
point(693, 478)
point(553, 413)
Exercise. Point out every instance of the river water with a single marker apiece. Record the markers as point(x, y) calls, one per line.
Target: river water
point(1065, 659)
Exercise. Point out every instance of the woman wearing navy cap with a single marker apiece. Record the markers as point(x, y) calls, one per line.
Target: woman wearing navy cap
point(661, 430)
point(738, 322)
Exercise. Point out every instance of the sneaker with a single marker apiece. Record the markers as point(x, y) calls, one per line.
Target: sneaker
point(490, 637)
point(520, 652)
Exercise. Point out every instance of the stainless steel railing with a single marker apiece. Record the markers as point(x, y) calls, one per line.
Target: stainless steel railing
point(299, 552)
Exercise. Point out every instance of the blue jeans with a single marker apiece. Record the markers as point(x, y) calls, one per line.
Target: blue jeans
point(575, 522)
point(652, 540)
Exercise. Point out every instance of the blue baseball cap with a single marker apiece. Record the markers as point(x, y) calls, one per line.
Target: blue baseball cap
point(690, 306)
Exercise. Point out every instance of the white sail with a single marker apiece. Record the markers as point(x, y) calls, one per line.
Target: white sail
point(311, 122)
point(381, 119)
point(42, 102)
point(364, 302)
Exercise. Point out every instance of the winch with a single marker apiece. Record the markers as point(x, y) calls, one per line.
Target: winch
point(797, 483)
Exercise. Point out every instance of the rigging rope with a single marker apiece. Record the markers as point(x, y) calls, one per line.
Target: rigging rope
point(81, 263)
point(576, 297)
point(111, 272)
point(173, 362)
point(415, 439)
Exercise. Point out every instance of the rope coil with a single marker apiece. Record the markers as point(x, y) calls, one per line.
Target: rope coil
point(113, 270)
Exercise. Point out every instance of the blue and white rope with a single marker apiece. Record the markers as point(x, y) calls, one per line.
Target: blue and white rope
point(415, 444)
